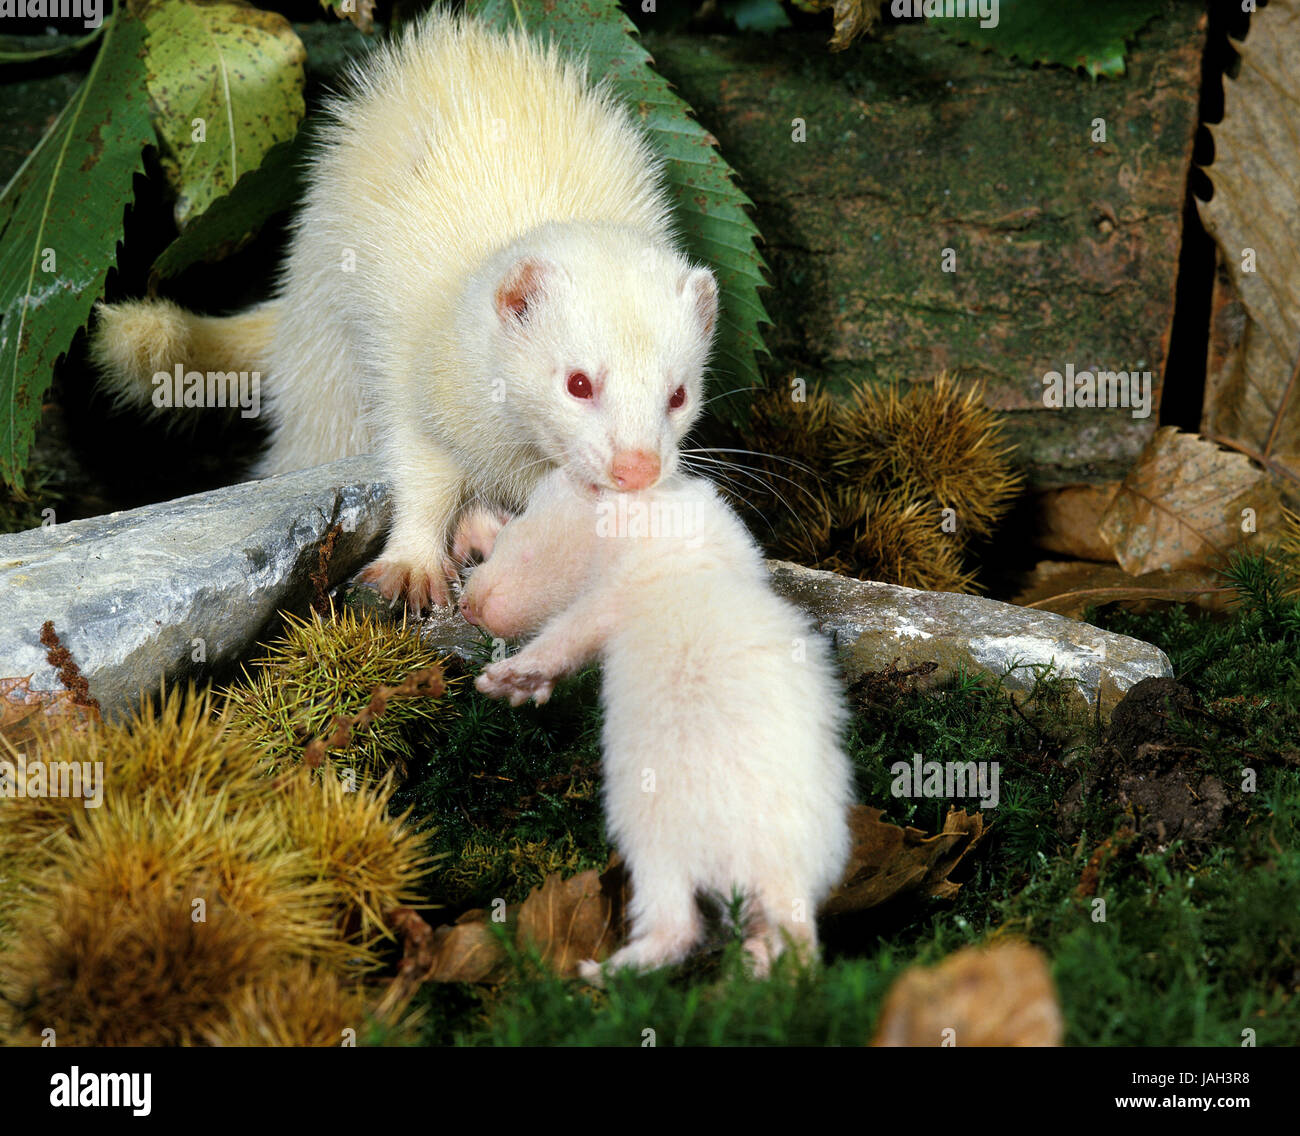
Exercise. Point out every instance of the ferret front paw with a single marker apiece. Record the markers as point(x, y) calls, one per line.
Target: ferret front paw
point(421, 585)
point(517, 679)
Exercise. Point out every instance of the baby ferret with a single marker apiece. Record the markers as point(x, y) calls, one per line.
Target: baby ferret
point(723, 761)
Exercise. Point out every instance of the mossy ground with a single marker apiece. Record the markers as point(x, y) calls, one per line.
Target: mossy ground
point(1199, 943)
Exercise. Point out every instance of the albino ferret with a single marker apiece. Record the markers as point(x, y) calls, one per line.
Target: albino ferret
point(483, 283)
point(723, 715)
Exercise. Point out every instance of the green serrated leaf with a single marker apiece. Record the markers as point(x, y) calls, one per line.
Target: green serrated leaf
point(226, 80)
point(276, 185)
point(1092, 36)
point(60, 221)
point(714, 227)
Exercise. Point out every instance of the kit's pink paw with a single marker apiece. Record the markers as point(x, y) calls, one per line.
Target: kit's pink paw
point(590, 971)
point(518, 679)
point(476, 533)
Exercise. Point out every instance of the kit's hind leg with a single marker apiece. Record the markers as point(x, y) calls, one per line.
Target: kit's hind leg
point(780, 919)
point(665, 924)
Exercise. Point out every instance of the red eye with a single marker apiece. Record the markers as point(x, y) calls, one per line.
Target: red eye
point(678, 399)
point(579, 385)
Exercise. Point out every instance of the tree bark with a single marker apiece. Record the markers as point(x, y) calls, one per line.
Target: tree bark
point(1065, 249)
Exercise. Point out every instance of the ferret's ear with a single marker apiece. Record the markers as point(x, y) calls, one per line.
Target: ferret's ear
point(700, 286)
point(520, 288)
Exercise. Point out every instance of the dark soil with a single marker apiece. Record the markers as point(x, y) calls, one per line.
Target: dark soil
point(1141, 770)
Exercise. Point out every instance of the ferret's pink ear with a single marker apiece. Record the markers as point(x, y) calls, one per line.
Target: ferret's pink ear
point(520, 288)
point(702, 288)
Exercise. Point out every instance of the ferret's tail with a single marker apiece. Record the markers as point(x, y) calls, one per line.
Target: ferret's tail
point(133, 341)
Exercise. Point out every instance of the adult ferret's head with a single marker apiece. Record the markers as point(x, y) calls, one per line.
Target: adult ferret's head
point(601, 338)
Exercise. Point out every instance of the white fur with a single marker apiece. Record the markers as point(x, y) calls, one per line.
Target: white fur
point(459, 155)
point(715, 690)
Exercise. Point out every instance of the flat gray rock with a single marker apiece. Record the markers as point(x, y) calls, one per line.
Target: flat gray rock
point(877, 625)
point(182, 588)
point(141, 595)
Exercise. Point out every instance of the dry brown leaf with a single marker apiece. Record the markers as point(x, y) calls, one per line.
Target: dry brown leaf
point(1067, 587)
point(1066, 519)
point(1001, 995)
point(1254, 402)
point(362, 14)
point(1183, 504)
point(852, 18)
point(467, 951)
point(567, 921)
point(26, 713)
point(888, 860)
point(417, 940)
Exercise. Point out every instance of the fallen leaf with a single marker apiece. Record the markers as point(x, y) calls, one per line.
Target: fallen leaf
point(1001, 995)
point(1253, 400)
point(852, 18)
point(417, 957)
point(1183, 505)
point(887, 860)
point(467, 951)
point(1067, 587)
point(567, 921)
point(1066, 519)
point(360, 12)
point(564, 920)
point(26, 713)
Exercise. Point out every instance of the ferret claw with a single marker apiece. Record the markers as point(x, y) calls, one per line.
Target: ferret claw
point(397, 579)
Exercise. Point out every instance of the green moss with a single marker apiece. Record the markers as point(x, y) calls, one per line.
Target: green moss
point(709, 1003)
point(512, 793)
point(1245, 665)
point(1189, 952)
point(1187, 955)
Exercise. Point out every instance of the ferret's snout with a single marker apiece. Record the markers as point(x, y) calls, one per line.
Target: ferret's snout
point(467, 610)
point(634, 469)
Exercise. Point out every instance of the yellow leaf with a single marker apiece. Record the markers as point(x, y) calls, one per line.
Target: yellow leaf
point(226, 82)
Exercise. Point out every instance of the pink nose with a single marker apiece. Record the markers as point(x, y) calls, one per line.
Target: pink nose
point(634, 470)
point(468, 611)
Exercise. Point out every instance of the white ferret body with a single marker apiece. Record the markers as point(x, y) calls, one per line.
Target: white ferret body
point(482, 283)
point(724, 765)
